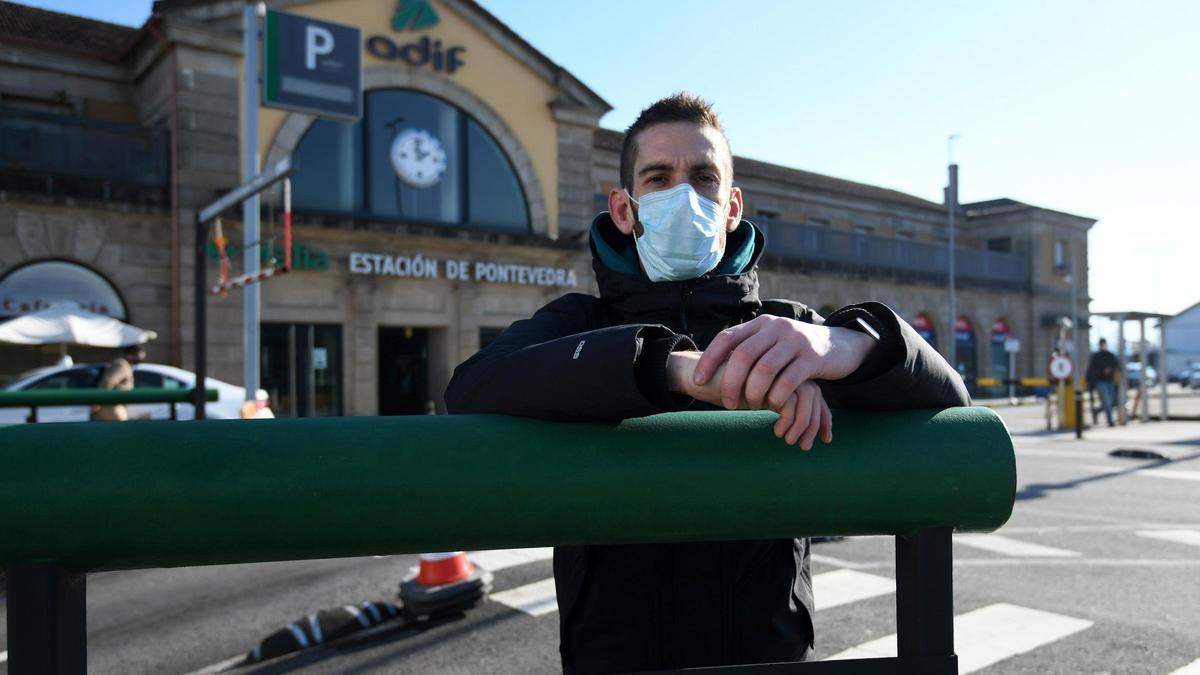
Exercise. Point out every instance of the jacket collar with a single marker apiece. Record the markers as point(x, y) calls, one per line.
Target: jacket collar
point(719, 297)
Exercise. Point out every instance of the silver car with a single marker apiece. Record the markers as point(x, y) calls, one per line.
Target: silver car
point(230, 398)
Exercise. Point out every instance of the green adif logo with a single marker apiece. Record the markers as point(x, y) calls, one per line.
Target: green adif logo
point(414, 15)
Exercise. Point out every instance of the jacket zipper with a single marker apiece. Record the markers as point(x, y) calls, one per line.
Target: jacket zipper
point(685, 291)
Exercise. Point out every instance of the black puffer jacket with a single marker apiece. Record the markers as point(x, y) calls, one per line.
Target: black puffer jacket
point(658, 606)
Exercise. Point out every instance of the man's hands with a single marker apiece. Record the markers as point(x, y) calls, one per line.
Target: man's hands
point(770, 362)
point(802, 418)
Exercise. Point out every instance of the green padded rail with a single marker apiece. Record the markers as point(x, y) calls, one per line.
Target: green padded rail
point(41, 398)
point(154, 494)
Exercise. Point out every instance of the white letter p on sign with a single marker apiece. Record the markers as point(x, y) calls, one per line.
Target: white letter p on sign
point(318, 41)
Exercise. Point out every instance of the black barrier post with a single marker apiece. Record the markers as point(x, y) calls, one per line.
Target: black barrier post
point(925, 602)
point(200, 309)
point(47, 620)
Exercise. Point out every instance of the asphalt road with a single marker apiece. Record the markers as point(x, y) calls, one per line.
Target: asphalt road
point(1096, 572)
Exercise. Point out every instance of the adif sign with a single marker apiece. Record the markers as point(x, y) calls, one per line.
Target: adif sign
point(312, 66)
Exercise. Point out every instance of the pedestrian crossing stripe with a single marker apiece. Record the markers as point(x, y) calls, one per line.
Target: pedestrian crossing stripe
point(534, 599)
point(496, 560)
point(1190, 537)
point(842, 587)
point(987, 636)
point(1012, 547)
point(831, 589)
point(1192, 668)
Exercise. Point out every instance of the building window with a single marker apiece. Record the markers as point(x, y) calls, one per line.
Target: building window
point(1000, 245)
point(1060, 254)
point(43, 284)
point(412, 157)
point(864, 229)
point(819, 221)
point(767, 214)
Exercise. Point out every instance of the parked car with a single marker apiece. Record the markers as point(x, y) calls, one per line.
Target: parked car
point(1133, 375)
point(1185, 375)
point(1194, 379)
point(230, 398)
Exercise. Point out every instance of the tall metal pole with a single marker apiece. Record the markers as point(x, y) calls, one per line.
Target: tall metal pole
point(1143, 394)
point(1162, 364)
point(1123, 384)
point(951, 209)
point(1078, 398)
point(250, 208)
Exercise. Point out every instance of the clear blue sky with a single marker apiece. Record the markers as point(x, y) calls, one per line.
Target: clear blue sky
point(1086, 106)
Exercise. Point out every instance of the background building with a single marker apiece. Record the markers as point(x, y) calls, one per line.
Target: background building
point(115, 137)
point(1183, 340)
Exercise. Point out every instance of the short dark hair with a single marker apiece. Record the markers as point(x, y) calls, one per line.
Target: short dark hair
point(132, 349)
point(679, 107)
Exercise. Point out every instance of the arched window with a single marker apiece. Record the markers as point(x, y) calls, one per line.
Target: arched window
point(965, 356)
point(998, 357)
point(413, 157)
point(925, 328)
point(39, 285)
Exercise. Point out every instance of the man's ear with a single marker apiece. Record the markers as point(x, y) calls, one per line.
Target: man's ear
point(621, 210)
point(735, 209)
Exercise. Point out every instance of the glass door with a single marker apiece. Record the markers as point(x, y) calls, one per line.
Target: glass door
point(302, 368)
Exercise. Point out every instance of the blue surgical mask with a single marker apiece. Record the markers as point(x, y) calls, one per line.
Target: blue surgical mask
point(681, 233)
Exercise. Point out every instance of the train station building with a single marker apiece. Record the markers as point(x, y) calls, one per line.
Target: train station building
point(115, 137)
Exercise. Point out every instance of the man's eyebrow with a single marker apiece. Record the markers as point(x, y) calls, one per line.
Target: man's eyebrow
point(664, 166)
point(654, 168)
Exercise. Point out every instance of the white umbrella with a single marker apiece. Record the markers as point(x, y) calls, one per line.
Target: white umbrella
point(71, 324)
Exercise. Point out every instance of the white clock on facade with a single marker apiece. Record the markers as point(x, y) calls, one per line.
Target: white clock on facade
point(418, 157)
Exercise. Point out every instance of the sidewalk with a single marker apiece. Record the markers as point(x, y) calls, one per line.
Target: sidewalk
point(1181, 436)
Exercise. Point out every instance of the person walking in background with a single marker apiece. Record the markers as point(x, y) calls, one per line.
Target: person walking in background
point(1101, 374)
point(118, 375)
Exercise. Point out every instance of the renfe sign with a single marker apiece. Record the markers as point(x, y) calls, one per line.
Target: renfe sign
point(312, 66)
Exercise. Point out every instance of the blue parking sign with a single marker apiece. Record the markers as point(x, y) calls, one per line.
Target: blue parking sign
point(312, 66)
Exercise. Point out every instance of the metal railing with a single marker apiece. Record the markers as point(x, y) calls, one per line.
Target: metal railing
point(35, 145)
point(43, 398)
point(816, 243)
point(126, 496)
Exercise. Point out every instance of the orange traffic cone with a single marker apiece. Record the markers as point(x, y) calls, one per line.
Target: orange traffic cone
point(444, 583)
point(438, 569)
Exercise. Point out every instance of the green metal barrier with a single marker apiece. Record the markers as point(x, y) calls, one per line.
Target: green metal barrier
point(164, 494)
point(41, 398)
point(47, 397)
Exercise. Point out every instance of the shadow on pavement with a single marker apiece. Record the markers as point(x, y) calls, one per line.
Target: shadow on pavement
point(355, 643)
point(1039, 490)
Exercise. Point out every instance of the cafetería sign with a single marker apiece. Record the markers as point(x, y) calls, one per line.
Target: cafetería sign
point(420, 267)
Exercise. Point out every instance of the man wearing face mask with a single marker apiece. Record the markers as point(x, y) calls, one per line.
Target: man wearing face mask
point(679, 325)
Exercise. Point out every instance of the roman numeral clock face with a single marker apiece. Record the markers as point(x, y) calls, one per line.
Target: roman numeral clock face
point(418, 157)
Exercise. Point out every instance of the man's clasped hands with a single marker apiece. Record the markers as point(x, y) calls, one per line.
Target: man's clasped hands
point(771, 363)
